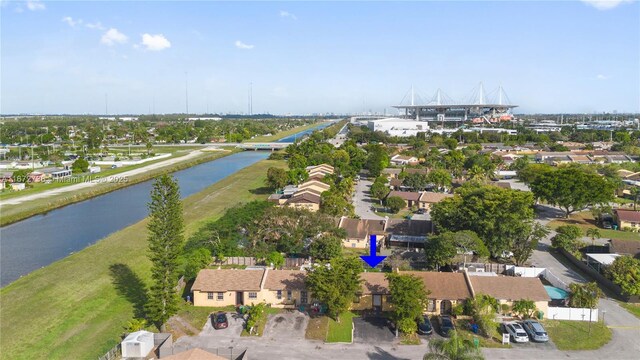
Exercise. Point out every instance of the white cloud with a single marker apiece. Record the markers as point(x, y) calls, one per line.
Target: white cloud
point(241, 45)
point(113, 36)
point(605, 4)
point(155, 42)
point(69, 20)
point(603, 77)
point(285, 14)
point(95, 26)
point(35, 5)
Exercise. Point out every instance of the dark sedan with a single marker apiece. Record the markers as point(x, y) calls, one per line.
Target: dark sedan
point(446, 325)
point(424, 327)
point(219, 321)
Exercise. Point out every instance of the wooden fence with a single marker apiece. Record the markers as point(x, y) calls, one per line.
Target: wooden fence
point(112, 354)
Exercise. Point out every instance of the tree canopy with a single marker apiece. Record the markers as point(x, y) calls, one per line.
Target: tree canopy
point(277, 178)
point(572, 188)
point(625, 271)
point(409, 298)
point(336, 283)
point(395, 203)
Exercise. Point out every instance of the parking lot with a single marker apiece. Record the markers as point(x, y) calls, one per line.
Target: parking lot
point(236, 324)
point(286, 325)
point(372, 330)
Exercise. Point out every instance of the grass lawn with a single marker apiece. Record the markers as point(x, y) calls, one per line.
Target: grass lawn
point(13, 213)
point(402, 214)
point(632, 308)
point(282, 134)
point(585, 221)
point(76, 308)
point(317, 328)
point(341, 331)
point(267, 311)
point(197, 316)
point(574, 335)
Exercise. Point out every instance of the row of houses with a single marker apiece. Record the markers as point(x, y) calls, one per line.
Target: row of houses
point(286, 288)
point(308, 194)
point(582, 157)
point(389, 232)
point(42, 175)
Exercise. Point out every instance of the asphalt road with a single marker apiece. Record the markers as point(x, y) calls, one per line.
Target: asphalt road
point(362, 202)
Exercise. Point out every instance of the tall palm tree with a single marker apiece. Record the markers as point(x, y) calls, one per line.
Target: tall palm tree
point(455, 348)
point(635, 192)
point(593, 233)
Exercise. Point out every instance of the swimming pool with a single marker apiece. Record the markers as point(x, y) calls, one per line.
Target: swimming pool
point(556, 293)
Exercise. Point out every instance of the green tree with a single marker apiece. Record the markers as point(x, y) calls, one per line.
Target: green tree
point(526, 308)
point(467, 240)
point(454, 162)
point(297, 161)
point(409, 299)
point(440, 250)
point(297, 175)
point(530, 172)
point(527, 240)
point(440, 178)
point(635, 194)
point(625, 271)
point(255, 315)
point(416, 181)
point(334, 203)
point(80, 166)
point(572, 189)
point(395, 204)
point(195, 261)
point(593, 233)
point(519, 163)
point(495, 214)
point(20, 176)
point(277, 178)
point(379, 188)
point(454, 348)
point(377, 159)
point(567, 238)
point(165, 236)
point(584, 295)
point(275, 258)
point(483, 308)
point(336, 284)
point(325, 248)
point(135, 325)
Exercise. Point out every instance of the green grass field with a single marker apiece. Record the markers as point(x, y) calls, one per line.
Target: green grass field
point(76, 308)
point(282, 134)
point(574, 335)
point(585, 220)
point(632, 308)
point(341, 331)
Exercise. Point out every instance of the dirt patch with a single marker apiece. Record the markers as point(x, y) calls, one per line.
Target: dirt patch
point(317, 328)
point(298, 324)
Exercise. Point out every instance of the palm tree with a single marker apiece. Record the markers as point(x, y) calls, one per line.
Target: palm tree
point(635, 192)
point(593, 233)
point(455, 348)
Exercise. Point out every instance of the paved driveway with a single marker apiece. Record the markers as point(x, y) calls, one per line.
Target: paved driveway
point(372, 330)
point(236, 324)
point(286, 325)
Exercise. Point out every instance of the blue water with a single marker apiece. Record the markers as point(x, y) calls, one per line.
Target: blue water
point(556, 293)
point(294, 137)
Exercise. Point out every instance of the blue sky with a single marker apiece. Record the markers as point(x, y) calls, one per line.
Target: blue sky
point(308, 57)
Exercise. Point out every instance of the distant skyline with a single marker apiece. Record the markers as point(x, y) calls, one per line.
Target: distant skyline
point(315, 57)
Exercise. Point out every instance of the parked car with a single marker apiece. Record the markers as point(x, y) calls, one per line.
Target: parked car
point(446, 325)
point(421, 211)
point(606, 225)
point(516, 331)
point(219, 321)
point(425, 328)
point(535, 330)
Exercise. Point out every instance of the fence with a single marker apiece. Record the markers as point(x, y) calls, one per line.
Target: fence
point(251, 261)
point(112, 354)
point(536, 272)
point(580, 314)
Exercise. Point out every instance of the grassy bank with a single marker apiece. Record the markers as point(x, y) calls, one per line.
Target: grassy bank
point(76, 308)
point(14, 213)
point(282, 134)
point(632, 308)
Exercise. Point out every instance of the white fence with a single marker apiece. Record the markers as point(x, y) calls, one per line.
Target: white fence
point(536, 272)
point(581, 314)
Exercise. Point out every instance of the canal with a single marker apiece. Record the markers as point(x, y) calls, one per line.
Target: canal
point(40, 240)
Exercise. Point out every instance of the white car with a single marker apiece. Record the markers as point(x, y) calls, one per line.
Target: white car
point(516, 331)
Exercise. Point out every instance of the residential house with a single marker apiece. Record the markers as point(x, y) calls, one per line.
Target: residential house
point(416, 171)
point(359, 231)
point(507, 289)
point(391, 173)
point(404, 160)
point(322, 170)
point(285, 288)
point(278, 199)
point(428, 198)
point(6, 178)
point(35, 177)
point(316, 185)
point(410, 198)
point(396, 184)
point(625, 247)
point(228, 287)
point(627, 219)
point(305, 200)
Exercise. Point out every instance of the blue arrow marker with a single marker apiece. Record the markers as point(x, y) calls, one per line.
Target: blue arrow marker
point(372, 259)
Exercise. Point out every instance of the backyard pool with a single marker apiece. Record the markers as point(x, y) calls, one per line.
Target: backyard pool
point(556, 293)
